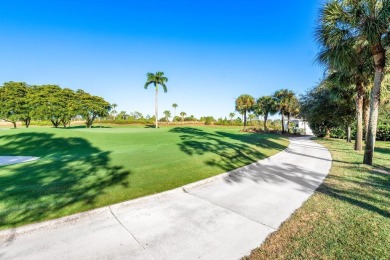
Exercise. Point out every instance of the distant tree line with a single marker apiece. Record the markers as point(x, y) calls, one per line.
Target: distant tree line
point(22, 102)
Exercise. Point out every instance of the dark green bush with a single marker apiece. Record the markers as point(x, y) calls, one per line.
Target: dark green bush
point(383, 132)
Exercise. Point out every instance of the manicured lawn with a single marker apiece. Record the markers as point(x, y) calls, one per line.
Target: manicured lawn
point(82, 169)
point(347, 218)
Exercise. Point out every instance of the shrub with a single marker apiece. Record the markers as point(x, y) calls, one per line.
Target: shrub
point(383, 132)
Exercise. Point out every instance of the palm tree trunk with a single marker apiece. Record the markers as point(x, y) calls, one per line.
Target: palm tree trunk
point(265, 122)
point(366, 115)
point(244, 119)
point(349, 134)
point(282, 112)
point(156, 108)
point(373, 121)
point(359, 116)
point(288, 122)
point(327, 133)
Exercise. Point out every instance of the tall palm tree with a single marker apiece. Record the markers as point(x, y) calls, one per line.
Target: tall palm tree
point(174, 105)
point(292, 110)
point(231, 115)
point(156, 79)
point(266, 106)
point(349, 61)
point(368, 21)
point(283, 98)
point(244, 104)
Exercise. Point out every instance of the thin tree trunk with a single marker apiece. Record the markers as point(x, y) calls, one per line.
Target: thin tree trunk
point(282, 122)
point(373, 121)
point(265, 122)
point(349, 140)
point(244, 119)
point(14, 123)
point(327, 134)
point(359, 116)
point(366, 115)
point(27, 122)
point(156, 107)
point(288, 122)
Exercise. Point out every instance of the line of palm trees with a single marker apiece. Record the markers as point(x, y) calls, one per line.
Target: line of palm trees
point(283, 101)
point(355, 41)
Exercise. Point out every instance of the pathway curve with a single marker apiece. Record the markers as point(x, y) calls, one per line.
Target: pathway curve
point(223, 217)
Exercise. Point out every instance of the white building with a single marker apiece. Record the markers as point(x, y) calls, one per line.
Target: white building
point(300, 124)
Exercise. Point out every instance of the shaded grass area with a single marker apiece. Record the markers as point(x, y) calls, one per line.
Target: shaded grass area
point(348, 217)
point(82, 169)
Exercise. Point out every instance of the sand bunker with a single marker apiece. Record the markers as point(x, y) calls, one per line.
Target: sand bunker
point(5, 160)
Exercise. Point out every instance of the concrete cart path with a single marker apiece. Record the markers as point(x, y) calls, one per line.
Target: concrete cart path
point(6, 160)
point(223, 217)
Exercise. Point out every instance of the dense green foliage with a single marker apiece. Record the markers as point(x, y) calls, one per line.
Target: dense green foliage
point(85, 168)
point(21, 102)
point(348, 217)
point(330, 114)
point(383, 133)
point(326, 111)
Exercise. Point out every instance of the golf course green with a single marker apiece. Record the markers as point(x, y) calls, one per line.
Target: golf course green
point(81, 169)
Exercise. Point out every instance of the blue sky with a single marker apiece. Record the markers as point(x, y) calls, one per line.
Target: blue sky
point(211, 51)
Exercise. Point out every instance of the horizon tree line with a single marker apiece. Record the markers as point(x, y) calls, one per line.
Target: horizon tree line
point(22, 102)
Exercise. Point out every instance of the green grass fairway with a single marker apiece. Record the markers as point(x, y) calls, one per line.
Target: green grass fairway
point(348, 217)
point(82, 169)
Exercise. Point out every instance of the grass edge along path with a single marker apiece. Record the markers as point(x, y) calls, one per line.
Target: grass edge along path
point(348, 217)
point(82, 169)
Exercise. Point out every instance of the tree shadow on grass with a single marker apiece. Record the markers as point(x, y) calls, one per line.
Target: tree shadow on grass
point(234, 150)
point(68, 177)
point(360, 199)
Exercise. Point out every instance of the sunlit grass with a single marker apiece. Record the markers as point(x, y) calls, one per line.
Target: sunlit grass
point(82, 169)
point(347, 218)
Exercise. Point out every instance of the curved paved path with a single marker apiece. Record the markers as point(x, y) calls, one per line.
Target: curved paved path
point(219, 218)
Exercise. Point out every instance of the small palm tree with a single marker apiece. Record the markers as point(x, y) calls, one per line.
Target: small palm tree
point(231, 115)
point(167, 115)
point(283, 98)
point(113, 109)
point(174, 105)
point(182, 114)
point(156, 79)
point(292, 110)
point(266, 105)
point(251, 118)
point(244, 104)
